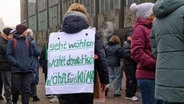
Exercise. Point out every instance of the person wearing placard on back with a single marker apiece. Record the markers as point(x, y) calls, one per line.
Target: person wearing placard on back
point(76, 20)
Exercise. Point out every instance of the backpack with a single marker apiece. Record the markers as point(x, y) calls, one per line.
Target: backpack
point(15, 43)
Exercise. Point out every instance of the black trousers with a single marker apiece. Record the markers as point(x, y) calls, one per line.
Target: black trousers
point(82, 98)
point(131, 81)
point(34, 90)
point(1, 85)
point(21, 85)
point(6, 78)
point(175, 103)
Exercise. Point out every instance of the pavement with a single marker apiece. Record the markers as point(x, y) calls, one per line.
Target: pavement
point(109, 98)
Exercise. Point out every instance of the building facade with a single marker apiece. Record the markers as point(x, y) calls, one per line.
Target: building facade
point(109, 16)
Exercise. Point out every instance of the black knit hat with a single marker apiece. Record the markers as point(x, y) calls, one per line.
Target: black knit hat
point(20, 29)
point(6, 31)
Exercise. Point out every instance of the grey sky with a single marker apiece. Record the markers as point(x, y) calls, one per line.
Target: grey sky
point(10, 12)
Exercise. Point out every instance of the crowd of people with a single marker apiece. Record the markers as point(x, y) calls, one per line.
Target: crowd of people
point(152, 57)
point(18, 72)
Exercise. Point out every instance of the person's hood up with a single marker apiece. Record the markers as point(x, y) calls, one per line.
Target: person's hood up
point(163, 8)
point(74, 24)
point(75, 13)
point(111, 43)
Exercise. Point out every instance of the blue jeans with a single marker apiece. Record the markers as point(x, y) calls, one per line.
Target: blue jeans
point(115, 73)
point(147, 88)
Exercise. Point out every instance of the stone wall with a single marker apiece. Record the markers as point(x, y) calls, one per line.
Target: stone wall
point(108, 24)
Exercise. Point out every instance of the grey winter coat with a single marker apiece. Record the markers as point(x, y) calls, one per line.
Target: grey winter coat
point(167, 41)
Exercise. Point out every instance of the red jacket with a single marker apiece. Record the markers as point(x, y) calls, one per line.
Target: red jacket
point(141, 49)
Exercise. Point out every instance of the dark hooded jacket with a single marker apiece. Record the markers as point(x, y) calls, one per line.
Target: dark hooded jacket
point(4, 64)
point(167, 41)
point(114, 54)
point(74, 24)
point(127, 60)
point(19, 55)
point(35, 64)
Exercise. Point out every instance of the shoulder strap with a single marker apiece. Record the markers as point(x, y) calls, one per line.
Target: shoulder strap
point(15, 43)
point(27, 42)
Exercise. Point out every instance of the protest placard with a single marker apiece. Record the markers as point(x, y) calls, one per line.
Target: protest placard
point(71, 62)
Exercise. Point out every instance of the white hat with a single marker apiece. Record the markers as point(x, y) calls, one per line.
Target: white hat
point(143, 10)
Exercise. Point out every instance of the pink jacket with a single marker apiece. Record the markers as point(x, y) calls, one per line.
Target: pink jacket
point(141, 49)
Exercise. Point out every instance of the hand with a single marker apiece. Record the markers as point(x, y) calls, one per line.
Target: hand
point(103, 87)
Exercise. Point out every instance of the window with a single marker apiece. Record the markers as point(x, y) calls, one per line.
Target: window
point(116, 4)
point(90, 6)
point(42, 5)
point(101, 6)
point(31, 7)
point(32, 22)
point(66, 4)
point(53, 2)
point(106, 5)
point(53, 16)
point(81, 1)
point(42, 20)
